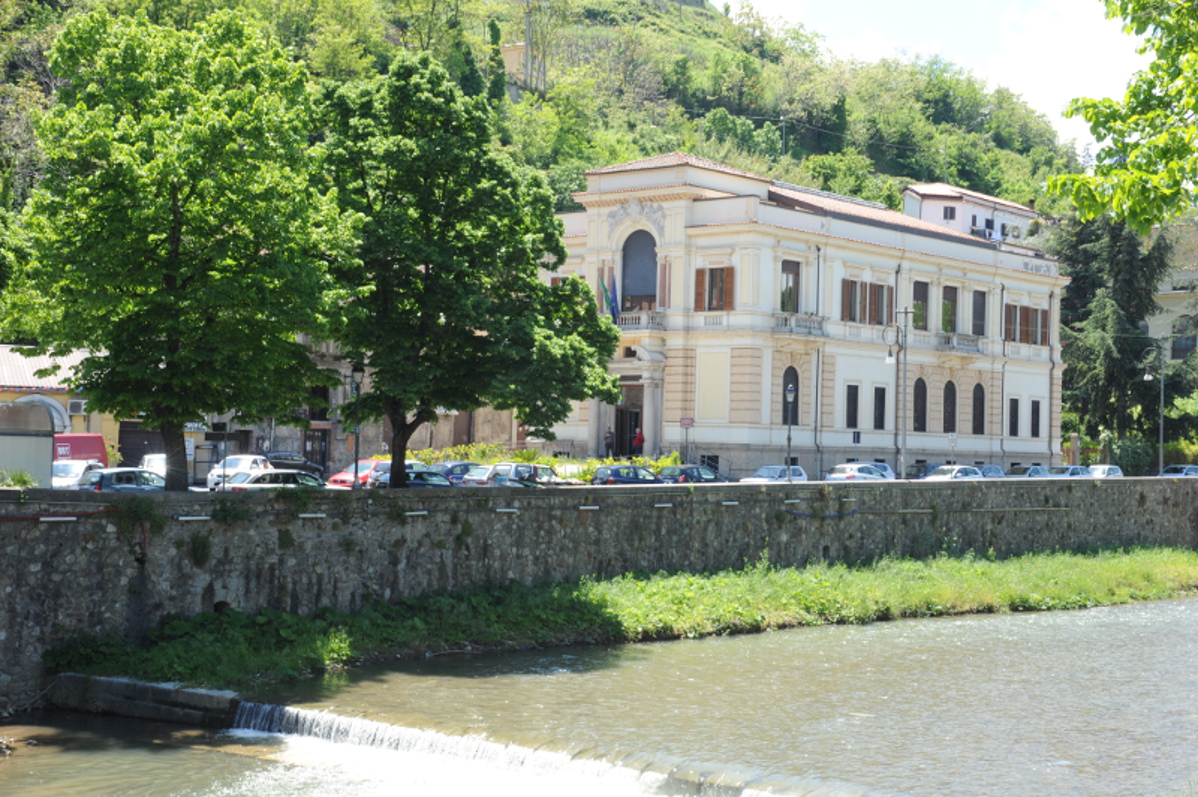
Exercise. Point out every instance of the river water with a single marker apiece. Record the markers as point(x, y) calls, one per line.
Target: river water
point(1089, 703)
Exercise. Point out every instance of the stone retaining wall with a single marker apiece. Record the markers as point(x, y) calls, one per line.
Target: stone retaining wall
point(73, 563)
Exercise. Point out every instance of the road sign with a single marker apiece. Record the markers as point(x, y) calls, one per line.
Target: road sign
point(952, 439)
point(686, 423)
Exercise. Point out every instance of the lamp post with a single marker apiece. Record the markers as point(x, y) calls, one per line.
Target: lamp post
point(1160, 439)
point(791, 390)
point(357, 375)
point(900, 340)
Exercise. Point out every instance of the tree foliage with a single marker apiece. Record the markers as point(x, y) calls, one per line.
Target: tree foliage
point(1147, 167)
point(448, 310)
point(175, 235)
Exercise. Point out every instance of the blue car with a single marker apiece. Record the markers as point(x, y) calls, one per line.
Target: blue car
point(454, 471)
point(624, 474)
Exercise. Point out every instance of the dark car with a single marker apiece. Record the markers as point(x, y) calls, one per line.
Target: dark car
point(624, 474)
point(289, 460)
point(454, 471)
point(417, 478)
point(122, 480)
point(921, 470)
point(689, 474)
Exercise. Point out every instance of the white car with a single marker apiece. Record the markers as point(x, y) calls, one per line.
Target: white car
point(155, 462)
point(856, 471)
point(946, 472)
point(244, 480)
point(1106, 471)
point(1069, 472)
point(230, 465)
point(65, 473)
point(775, 474)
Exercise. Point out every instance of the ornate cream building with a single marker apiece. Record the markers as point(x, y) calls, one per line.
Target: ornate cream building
point(732, 287)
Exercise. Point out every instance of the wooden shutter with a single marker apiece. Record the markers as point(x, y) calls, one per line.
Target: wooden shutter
point(1010, 321)
point(1027, 320)
point(846, 300)
point(1045, 337)
point(729, 302)
point(700, 290)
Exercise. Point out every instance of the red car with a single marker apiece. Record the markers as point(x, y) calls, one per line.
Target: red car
point(365, 466)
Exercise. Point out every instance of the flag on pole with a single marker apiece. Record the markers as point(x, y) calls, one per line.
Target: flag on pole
point(613, 300)
point(606, 296)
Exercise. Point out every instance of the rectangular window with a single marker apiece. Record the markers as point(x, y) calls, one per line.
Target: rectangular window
point(1045, 331)
point(789, 296)
point(1183, 346)
point(881, 304)
point(990, 225)
point(1010, 322)
point(714, 288)
point(850, 406)
point(1004, 232)
point(879, 408)
point(1013, 418)
point(979, 313)
point(1035, 419)
point(948, 310)
point(919, 305)
point(1027, 325)
point(950, 214)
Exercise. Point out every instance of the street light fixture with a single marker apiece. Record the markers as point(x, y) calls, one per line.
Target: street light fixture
point(791, 390)
point(357, 376)
point(900, 341)
point(1159, 348)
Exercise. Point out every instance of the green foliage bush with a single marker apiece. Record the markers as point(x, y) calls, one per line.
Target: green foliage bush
point(21, 479)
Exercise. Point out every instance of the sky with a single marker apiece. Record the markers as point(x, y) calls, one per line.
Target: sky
point(1047, 51)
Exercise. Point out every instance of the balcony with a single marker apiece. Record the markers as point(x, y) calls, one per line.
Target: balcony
point(799, 323)
point(958, 341)
point(641, 319)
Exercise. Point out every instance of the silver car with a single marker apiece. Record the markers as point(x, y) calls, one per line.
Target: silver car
point(775, 474)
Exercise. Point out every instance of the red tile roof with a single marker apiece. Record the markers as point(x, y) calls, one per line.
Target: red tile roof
point(866, 211)
point(947, 191)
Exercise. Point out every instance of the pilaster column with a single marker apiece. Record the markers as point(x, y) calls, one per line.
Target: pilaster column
point(652, 420)
point(595, 428)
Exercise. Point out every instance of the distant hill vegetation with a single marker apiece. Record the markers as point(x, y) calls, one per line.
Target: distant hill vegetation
point(616, 80)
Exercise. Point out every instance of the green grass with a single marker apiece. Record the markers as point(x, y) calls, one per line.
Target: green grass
point(233, 649)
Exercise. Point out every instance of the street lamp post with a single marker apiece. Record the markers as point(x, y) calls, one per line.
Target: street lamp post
point(357, 375)
point(791, 390)
point(1160, 433)
point(900, 340)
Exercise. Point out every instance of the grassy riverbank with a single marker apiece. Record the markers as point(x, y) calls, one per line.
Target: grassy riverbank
point(232, 649)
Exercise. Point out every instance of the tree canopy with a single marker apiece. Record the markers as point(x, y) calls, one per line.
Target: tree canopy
point(175, 235)
point(448, 311)
point(1147, 167)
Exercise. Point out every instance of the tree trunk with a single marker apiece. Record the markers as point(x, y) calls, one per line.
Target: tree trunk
point(401, 434)
point(177, 478)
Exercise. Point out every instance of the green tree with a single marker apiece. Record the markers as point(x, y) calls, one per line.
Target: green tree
point(1147, 167)
point(175, 235)
point(448, 309)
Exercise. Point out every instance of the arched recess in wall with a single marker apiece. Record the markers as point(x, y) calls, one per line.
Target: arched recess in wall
point(950, 408)
point(790, 412)
point(919, 422)
point(58, 414)
point(979, 409)
point(639, 279)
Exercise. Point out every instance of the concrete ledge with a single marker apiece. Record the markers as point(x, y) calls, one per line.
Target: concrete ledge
point(166, 702)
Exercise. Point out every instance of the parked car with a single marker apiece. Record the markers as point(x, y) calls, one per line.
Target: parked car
point(122, 480)
point(1068, 472)
point(65, 473)
point(454, 471)
point(365, 466)
point(688, 474)
point(855, 471)
point(624, 474)
point(417, 478)
point(155, 462)
point(546, 476)
point(269, 479)
point(920, 470)
point(1180, 470)
point(946, 472)
point(887, 471)
point(229, 465)
point(992, 472)
point(384, 467)
point(1106, 471)
point(773, 474)
point(294, 461)
point(501, 474)
point(1027, 472)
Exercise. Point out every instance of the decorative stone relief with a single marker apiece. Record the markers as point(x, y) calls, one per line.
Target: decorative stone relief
point(635, 209)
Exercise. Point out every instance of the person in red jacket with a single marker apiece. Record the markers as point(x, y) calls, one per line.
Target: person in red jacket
point(638, 444)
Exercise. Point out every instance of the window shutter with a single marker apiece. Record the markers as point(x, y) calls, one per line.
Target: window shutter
point(846, 300)
point(1045, 337)
point(729, 288)
point(663, 284)
point(1027, 317)
point(1010, 321)
point(700, 290)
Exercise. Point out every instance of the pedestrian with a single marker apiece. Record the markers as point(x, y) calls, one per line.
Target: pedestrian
point(609, 443)
point(638, 443)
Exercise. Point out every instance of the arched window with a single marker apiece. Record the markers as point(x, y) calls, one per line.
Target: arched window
point(979, 409)
point(950, 408)
point(790, 412)
point(920, 422)
point(640, 272)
